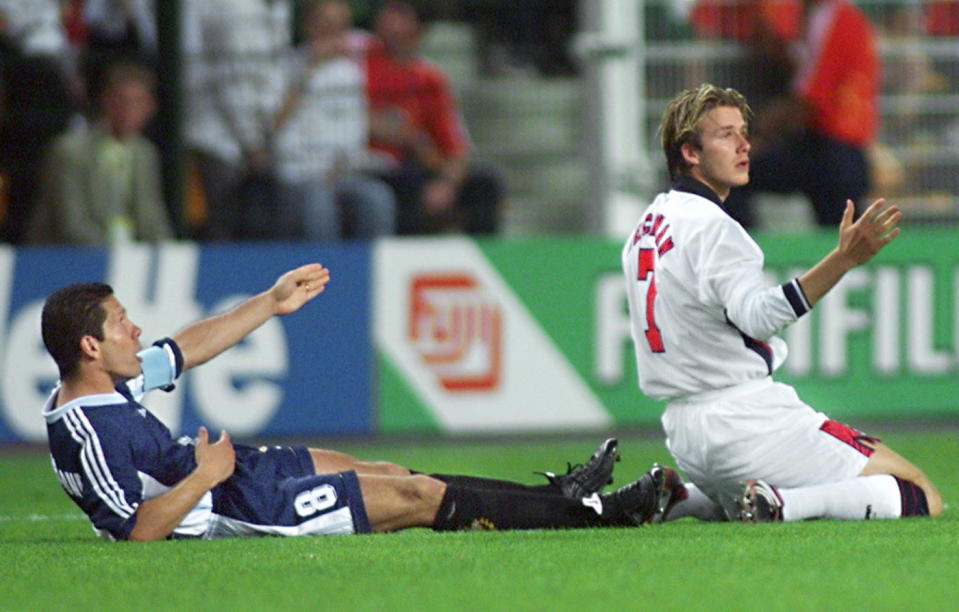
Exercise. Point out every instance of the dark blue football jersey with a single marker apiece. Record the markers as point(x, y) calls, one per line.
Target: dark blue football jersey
point(110, 453)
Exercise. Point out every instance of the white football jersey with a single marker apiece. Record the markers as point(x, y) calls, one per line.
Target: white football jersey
point(703, 315)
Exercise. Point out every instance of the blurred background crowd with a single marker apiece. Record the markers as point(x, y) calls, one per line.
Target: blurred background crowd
point(229, 120)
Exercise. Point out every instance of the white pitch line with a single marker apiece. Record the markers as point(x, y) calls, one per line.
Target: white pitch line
point(36, 518)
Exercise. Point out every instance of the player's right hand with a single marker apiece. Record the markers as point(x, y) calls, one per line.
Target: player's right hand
point(216, 460)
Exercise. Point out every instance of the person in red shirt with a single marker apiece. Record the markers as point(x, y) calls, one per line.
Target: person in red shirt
point(942, 18)
point(417, 130)
point(814, 141)
point(765, 30)
point(746, 20)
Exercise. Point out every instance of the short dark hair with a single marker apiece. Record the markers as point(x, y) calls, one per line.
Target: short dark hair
point(69, 314)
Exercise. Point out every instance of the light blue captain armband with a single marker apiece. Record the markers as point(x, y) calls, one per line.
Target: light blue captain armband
point(161, 364)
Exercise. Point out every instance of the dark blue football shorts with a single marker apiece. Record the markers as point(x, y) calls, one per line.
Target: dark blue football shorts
point(275, 491)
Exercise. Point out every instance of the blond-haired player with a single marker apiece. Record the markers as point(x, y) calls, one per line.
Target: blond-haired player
point(704, 322)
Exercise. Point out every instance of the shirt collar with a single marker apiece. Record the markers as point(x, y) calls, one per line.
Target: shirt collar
point(52, 414)
point(694, 186)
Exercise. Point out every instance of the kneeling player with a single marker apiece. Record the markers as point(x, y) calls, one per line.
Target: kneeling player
point(704, 323)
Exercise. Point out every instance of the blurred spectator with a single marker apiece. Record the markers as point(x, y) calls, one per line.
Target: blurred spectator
point(234, 86)
point(34, 27)
point(532, 36)
point(766, 29)
point(100, 184)
point(418, 130)
point(815, 140)
point(942, 17)
point(74, 24)
point(321, 134)
point(747, 20)
point(40, 90)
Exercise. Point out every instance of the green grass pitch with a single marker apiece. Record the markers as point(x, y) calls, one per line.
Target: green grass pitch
point(52, 561)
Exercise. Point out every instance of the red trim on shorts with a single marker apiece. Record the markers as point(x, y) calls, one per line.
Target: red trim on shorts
point(852, 437)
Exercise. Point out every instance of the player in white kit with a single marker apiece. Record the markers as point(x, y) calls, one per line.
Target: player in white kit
point(704, 322)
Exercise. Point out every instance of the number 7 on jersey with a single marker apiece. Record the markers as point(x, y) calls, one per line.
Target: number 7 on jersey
point(647, 270)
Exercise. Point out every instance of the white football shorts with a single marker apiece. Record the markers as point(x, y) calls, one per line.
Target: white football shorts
point(760, 429)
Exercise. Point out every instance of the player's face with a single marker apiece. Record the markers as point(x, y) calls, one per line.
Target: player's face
point(121, 342)
point(723, 160)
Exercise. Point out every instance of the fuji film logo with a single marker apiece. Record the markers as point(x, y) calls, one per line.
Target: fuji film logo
point(456, 328)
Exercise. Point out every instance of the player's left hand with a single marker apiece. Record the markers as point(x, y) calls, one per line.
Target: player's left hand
point(299, 286)
point(877, 227)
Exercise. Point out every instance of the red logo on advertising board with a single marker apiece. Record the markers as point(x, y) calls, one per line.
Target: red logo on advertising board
point(456, 328)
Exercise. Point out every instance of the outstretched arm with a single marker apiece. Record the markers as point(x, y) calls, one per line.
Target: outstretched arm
point(206, 339)
point(858, 243)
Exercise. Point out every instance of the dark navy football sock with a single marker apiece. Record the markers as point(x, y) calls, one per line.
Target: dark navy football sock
point(468, 508)
point(476, 482)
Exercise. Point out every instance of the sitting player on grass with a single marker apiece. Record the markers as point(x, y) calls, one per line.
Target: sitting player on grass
point(134, 481)
point(704, 320)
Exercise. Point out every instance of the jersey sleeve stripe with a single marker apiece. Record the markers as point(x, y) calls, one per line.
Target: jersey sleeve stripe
point(796, 297)
point(96, 471)
point(95, 466)
point(72, 429)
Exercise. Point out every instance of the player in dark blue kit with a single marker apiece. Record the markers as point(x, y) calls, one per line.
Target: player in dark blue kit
point(135, 481)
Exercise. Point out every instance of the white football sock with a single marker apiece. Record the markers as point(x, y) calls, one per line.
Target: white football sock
point(697, 504)
point(866, 497)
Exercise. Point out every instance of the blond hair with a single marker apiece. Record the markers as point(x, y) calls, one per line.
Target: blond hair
point(680, 122)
